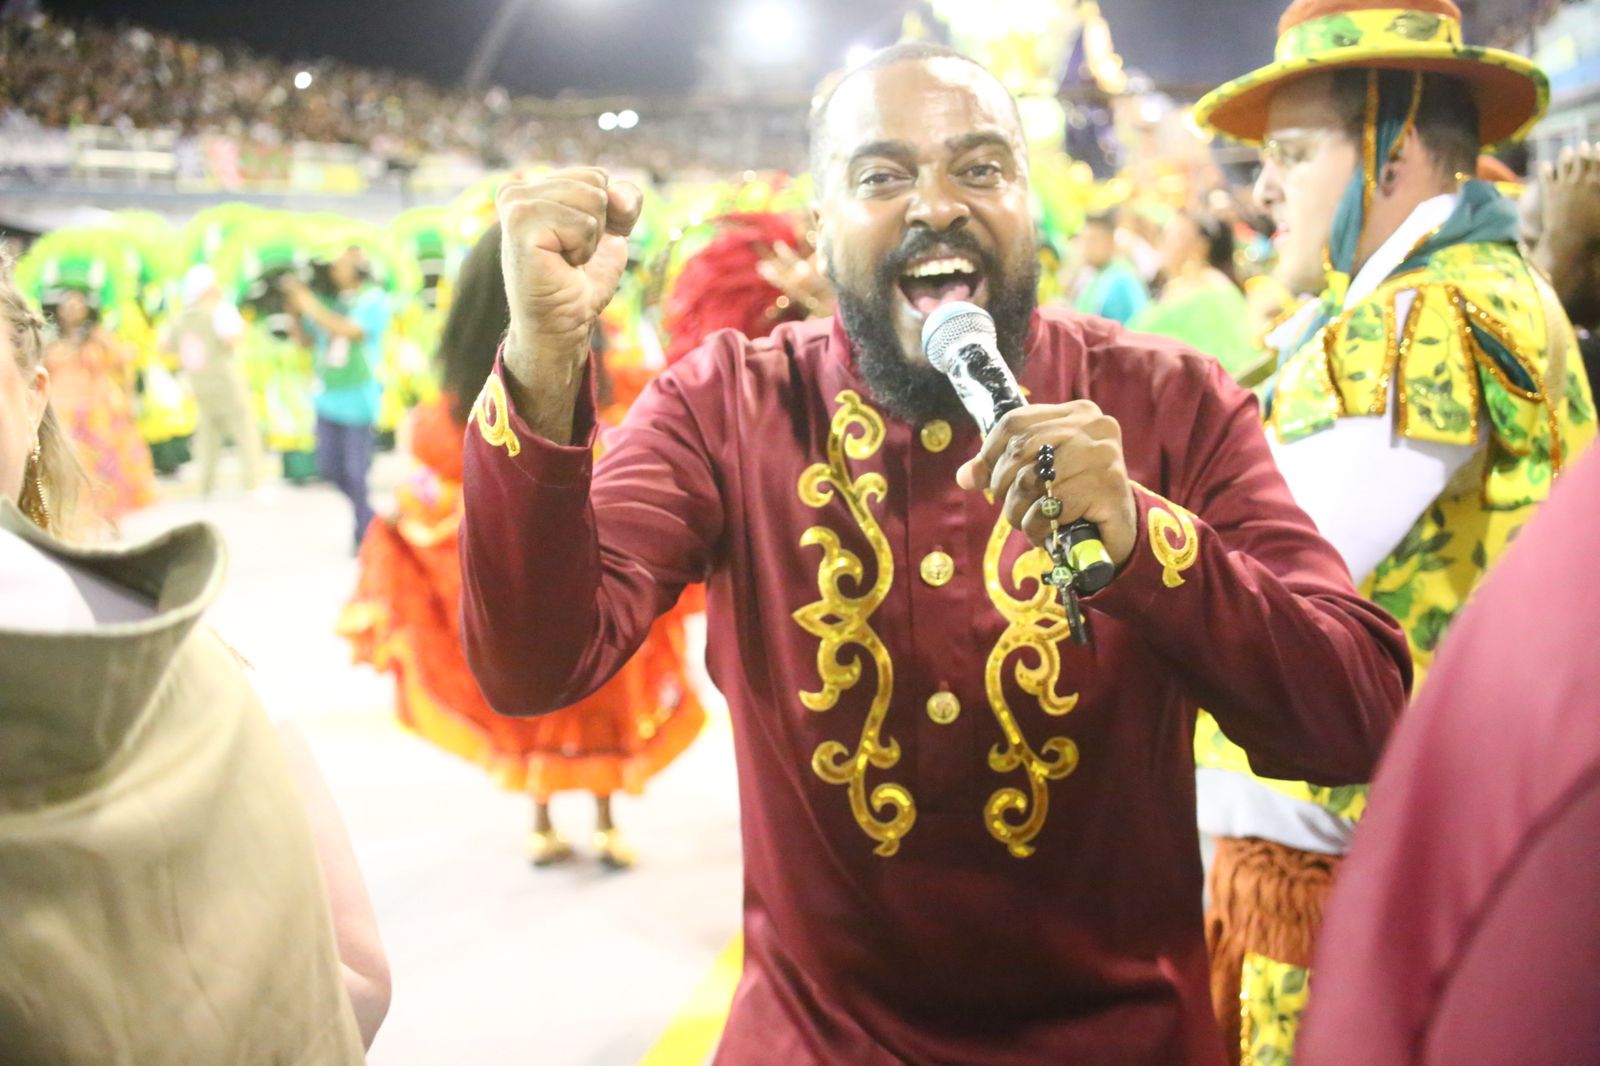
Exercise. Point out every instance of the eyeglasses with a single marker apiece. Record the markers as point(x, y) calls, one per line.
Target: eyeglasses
point(1293, 149)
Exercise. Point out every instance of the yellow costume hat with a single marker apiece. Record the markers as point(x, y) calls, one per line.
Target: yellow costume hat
point(1315, 36)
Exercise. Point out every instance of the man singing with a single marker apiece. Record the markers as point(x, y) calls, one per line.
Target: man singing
point(967, 839)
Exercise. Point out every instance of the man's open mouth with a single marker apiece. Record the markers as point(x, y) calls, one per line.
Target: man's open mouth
point(927, 283)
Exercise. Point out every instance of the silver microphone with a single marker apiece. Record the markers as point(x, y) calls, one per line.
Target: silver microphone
point(959, 340)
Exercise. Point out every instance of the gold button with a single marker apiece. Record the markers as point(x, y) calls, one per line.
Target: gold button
point(938, 568)
point(936, 435)
point(943, 707)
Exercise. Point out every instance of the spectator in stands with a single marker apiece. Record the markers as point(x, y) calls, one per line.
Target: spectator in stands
point(56, 75)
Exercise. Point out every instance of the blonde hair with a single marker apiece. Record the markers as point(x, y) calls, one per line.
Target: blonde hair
point(58, 472)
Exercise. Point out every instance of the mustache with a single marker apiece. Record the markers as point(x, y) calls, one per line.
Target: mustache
point(920, 243)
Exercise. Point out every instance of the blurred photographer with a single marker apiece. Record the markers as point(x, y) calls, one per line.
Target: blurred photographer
point(345, 328)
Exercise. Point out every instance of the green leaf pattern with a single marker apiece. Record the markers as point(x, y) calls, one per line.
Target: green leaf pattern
point(1321, 35)
point(1273, 996)
point(1416, 26)
point(1428, 576)
point(1580, 405)
point(1433, 400)
point(1503, 409)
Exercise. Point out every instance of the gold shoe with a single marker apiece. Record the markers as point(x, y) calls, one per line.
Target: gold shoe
point(614, 853)
point(546, 847)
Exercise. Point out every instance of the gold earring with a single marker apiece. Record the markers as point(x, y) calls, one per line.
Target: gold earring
point(36, 505)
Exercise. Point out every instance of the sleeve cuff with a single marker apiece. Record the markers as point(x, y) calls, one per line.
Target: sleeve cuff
point(1166, 546)
point(502, 429)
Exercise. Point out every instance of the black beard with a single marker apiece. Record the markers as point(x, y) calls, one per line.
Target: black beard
point(914, 391)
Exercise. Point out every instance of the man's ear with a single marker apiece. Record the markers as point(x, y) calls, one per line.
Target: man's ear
point(819, 234)
point(1408, 155)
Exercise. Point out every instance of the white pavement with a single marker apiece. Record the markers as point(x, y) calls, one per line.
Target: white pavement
point(493, 963)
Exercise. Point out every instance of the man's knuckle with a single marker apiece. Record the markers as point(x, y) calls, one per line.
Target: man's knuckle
point(1011, 422)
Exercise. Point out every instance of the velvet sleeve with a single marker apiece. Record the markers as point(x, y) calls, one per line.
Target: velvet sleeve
point(1232, 583)
point(565, 562)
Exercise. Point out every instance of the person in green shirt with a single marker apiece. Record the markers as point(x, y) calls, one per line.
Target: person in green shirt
point(346, 334)
point(1201, 304)
point(1116, 290)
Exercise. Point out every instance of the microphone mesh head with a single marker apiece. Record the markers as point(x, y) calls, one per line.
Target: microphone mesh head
point(950, 327)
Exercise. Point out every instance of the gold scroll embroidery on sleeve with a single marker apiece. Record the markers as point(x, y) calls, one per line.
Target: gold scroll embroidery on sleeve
point(1173, 541)
point(841, 621)
point(492, 415)
point(1035, 626)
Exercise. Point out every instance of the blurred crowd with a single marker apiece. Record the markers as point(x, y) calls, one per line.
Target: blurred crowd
point(148, 80)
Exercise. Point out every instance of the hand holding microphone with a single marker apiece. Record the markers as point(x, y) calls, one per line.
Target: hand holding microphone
point(1090, 479)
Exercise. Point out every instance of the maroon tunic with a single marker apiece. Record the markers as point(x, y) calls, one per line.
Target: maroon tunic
point(966, 840)
point(1465, 924)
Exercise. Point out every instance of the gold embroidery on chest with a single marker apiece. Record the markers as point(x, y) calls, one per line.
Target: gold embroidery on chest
point(841, 622)
point(492, 415)
point(1035, 626)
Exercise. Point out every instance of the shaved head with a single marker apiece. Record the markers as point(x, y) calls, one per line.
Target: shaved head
point(905, 52)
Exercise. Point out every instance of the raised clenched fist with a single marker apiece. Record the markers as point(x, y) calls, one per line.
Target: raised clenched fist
point(563, 249)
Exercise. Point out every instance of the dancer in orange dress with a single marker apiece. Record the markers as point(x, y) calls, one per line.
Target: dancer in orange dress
point(92, 381)
point(405, 618)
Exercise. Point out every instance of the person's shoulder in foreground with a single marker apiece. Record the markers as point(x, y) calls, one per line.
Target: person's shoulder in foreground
point(1466, 923)
point(130, 740)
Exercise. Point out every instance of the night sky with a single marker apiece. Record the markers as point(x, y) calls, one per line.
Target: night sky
point(597, 47)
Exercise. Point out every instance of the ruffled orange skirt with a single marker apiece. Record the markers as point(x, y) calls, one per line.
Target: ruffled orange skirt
point(404, 619)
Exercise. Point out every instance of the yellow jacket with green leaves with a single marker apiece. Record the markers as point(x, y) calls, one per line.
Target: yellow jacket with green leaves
point(1470, 364)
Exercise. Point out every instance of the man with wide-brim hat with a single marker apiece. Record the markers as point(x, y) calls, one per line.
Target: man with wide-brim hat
point(1422, 405)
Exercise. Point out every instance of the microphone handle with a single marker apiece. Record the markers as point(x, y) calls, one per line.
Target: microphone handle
point(1086, 553)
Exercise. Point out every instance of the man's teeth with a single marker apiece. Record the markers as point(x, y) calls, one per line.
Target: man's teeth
point(935, 267)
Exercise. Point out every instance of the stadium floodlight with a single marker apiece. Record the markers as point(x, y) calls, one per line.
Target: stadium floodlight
point(858, 54)
point(302, 80)
point(608, 121)
point(628, 119)
point(770, 30)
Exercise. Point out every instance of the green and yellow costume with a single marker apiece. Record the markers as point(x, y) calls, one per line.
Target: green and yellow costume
point(1460, 344)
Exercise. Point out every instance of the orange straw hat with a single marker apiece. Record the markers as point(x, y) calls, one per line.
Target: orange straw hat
point(1414, 35)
